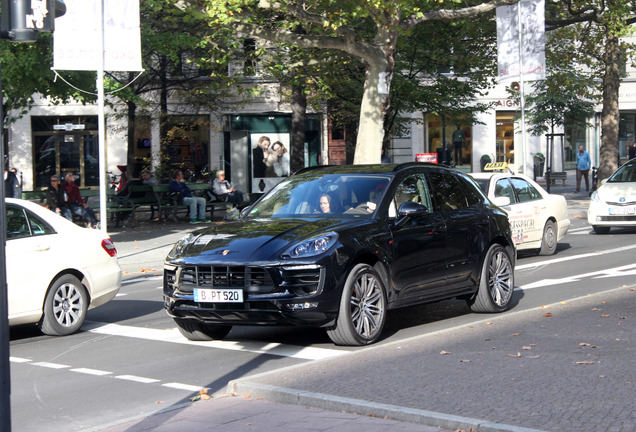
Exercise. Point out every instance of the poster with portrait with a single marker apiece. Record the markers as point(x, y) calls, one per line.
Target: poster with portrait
point(270, 160)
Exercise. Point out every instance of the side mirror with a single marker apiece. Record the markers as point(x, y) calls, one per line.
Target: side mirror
point(410, 209)
point(502, 201)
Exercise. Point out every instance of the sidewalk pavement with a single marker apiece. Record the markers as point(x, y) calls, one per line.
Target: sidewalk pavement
point(325, 399)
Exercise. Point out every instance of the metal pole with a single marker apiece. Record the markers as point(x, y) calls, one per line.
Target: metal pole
point(5, 375)
point(103, 215)
point(523, 97)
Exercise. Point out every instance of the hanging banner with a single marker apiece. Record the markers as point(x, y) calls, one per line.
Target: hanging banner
point(532, 50)
point(76, 39)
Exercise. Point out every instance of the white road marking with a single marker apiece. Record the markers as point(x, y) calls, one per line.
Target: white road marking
point(180, 386)
point(622, 271)
point(173, 336)
point(575, 257)
point(137, 379)
point(102, 373)
point(51, 365)
point(95, 372)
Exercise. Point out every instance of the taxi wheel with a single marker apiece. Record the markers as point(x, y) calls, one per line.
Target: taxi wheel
point(549, 239)
point(196, 331)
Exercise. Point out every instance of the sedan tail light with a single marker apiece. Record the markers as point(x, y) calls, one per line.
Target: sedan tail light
point(109, 247)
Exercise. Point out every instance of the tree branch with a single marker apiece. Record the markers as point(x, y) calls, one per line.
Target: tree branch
point(449, 14)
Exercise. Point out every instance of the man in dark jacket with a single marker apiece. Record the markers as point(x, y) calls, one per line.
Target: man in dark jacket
point(55, 199)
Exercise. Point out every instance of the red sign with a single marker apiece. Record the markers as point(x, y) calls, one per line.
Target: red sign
point(426, 157)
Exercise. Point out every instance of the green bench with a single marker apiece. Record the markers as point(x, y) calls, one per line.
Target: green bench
point(117, 209)
point(171, 203)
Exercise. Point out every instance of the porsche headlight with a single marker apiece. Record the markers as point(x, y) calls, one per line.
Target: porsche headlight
point(181, 245)
point(311, 247)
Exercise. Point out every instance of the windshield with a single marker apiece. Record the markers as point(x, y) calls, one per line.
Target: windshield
point(626, 173)
point(341, 195)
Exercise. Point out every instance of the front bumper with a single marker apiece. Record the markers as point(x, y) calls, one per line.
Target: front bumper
point(273, 295)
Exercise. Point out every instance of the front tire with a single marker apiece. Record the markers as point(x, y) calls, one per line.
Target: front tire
point(496, 283)
point(362, 308)
point(65, 307)
point(549, 239)
point(601, 229)
point(196, 331)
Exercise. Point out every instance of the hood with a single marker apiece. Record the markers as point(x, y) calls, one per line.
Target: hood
point(618, 192)
point(254, 240)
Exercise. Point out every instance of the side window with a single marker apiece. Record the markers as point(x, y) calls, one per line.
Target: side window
point(503, 188)
point(472, 190)
point(525, 191)
point(17, 224)
point(38, 226)
point(446, 191)
point(414, 189)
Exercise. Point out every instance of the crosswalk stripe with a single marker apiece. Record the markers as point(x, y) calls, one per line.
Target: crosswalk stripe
point(173, 336)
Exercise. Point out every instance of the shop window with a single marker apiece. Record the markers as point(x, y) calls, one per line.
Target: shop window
point(505, 150)
point(187, 144)
point(438, 132)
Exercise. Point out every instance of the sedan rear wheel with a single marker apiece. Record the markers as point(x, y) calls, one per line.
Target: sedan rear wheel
point(496, 283)
point(65, 307)
point(362, 308)
point(197, 331)
point(549, 239)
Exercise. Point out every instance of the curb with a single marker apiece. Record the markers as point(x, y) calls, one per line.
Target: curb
point(372, 409)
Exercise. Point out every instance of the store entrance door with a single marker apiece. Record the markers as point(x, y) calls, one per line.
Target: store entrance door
point(60, 152)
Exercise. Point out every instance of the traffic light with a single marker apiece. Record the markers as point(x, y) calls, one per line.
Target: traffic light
point(21, 20)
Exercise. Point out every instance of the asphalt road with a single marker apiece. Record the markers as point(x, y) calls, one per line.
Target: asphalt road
point(131, 361)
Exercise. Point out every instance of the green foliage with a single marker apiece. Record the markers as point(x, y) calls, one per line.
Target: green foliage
point(26, 71)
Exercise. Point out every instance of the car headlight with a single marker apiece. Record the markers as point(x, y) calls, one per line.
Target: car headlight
point(311, 247)
point(595, 197)
point(181, 245)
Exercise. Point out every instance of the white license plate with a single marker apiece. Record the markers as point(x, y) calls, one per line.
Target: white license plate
point(622, 210)
point(218, 296)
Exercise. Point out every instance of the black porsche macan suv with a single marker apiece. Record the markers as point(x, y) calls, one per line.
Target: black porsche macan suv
point(338, 246)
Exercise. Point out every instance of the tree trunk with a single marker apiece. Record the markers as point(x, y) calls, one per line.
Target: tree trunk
point(375, 98)
point(610, 114)
point(130, 155)
point(299, 113)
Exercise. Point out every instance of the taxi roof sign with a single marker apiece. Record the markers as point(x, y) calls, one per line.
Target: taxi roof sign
point(496, 166)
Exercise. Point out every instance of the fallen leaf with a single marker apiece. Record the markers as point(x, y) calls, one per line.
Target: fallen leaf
point(488, 322)
point(603, 302)
point(605, 316)
point(585, 344)
point(533, 357)
point(246, 396)
point(546, 306)
point(526, 348)
point(596, 309)
point(464, 361)
point(516, 334)
point(518, 355)
point(584, 362)
point(444, 352)
point(547, 315)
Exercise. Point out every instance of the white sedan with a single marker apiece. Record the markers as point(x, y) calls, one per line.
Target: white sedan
point(538, 219)
point(613, 204)
point(56, 270)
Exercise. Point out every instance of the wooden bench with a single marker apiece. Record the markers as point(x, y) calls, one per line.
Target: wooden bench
point(554, 176)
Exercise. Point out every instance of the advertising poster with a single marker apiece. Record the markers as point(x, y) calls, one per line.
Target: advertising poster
point(270, 160)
